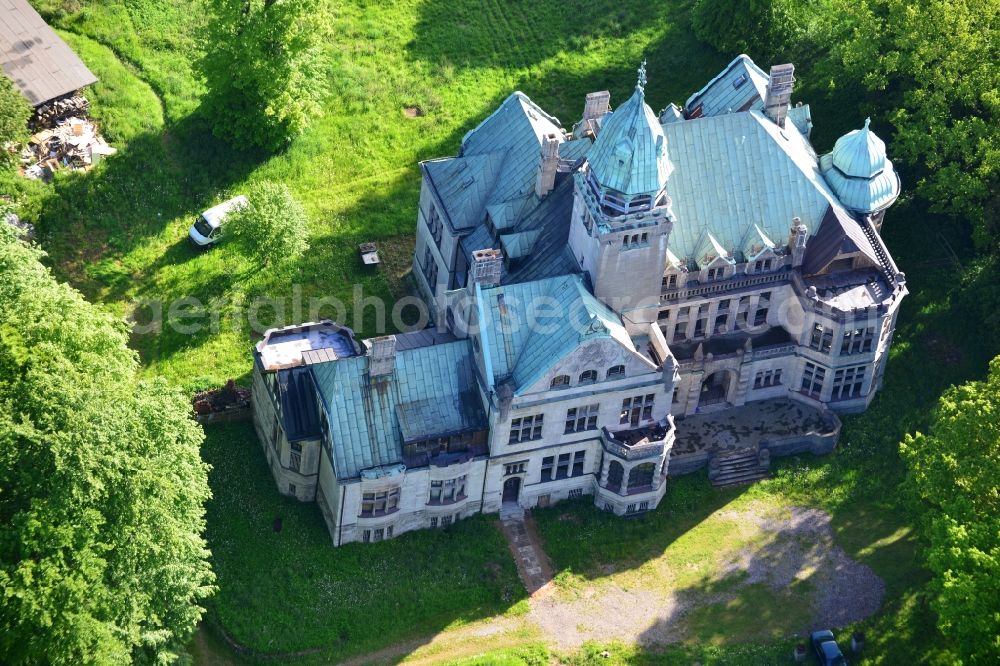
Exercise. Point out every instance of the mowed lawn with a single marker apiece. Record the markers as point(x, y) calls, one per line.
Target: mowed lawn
point(119, 233)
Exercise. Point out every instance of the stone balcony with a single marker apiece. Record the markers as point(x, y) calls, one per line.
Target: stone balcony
point(640, 443)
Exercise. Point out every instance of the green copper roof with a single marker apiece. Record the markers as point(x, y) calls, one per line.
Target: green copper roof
point(630, 154)
point(737, 170)
point(430, 393)
point(529, 326)
point(755, 243)
point(860, 173)
point(709, 250)
point(740, 86)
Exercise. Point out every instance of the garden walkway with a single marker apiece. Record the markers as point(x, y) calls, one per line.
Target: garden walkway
point(532, 564)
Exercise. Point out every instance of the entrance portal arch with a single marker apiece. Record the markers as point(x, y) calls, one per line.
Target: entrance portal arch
point(717, 388)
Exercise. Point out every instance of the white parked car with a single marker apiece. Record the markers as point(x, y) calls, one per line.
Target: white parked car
point(207, 229)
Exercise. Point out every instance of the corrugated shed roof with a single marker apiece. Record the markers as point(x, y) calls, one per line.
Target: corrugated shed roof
point(363, 412)
point(630, 154)
point(530, 326)
point(39, 63)
point(737, 170)
point(741, 86)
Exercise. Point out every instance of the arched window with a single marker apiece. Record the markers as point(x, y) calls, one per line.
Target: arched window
point(560, 381)
point(616, 371)
point(588, 376)
point(641, 476)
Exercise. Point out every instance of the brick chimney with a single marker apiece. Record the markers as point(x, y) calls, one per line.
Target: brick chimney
point(779, 92)
point(797, 237)
point(382, 356)
point(487, 268)
point(547, 169)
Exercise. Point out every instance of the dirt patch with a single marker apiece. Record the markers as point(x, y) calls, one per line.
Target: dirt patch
point(413, 112)
point(778, 550)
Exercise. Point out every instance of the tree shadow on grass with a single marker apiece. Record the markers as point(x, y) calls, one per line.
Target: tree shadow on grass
point(103, 215)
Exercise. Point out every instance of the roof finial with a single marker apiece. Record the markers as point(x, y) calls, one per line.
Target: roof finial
point(868, 121)
point(641, 83)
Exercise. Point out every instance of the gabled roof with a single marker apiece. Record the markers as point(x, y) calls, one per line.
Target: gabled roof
point(741, 86)
point(39, 63)
point(530, 326)
point(497, 164)
point(838, 234)
point(709, 251)
point(755, 242)
point(630, 154)
point(738, 169)
point(429, 393)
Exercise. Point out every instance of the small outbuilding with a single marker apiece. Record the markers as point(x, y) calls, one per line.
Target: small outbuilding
point(42, 66)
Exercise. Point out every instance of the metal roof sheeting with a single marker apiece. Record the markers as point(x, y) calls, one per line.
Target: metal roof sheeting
point(738, 170)
point(630, 154)
point(741, 86)
point(860, 173)
point(39, 63)
point(364, 412)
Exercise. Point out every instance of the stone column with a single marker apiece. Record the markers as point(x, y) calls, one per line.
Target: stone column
point(627, 470)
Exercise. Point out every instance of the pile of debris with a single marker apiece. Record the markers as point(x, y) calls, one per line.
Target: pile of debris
point(47, 115)
point(64, 138)
point(227, 398)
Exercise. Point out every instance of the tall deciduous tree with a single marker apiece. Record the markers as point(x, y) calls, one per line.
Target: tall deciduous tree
point(272, 226)
point(954, 471)
point(101, 485)
point(933, 64)
point(264, 67)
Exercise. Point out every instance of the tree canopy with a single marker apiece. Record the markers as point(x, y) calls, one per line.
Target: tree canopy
point(263, 64)
point(762, 29)
point(953, 471)
point(102, 487)
point(271, 226)
point(933, 64)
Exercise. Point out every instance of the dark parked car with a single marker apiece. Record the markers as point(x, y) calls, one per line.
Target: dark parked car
point(826, 648)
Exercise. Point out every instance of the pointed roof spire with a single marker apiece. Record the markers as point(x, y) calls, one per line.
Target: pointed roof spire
point(640, 85)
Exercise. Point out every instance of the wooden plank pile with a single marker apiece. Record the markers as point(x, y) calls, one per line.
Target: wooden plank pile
point(70, 143)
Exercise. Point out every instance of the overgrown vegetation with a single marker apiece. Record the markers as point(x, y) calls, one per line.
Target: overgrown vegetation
point(14, 115)
point(102, 559)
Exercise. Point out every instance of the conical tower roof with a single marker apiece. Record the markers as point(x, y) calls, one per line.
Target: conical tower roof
point(860, 173)
point(630, 154)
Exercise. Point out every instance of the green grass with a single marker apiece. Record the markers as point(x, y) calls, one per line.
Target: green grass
point(291, 591)
point(118, 233)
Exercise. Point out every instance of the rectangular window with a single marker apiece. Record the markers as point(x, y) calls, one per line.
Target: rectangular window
point(847, 383)
point(513, 468)
point(366, 536)
point(760, 318)
point(525, 428)
point(630, 508)
point(723, 306)
point(821, 339)
point(445, 521)
point(663, 315)
point(434, 521)
point(295, 456)
point(578, 460)
point(720, 322)
point(548, 462)
point(680, 328)
point(813, 377)
point(634, 408)
point(676, 395)
point(562, 469)
point(430, 268)
point(445, 491)
point(378, 534)
point(699, 328)
point(434, 224)
point(669, 281)
point(857, 341)
point(379, 503)
point(766, 378)
point(583, 418)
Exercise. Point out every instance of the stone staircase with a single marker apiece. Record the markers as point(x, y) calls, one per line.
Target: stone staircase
point(739, 466)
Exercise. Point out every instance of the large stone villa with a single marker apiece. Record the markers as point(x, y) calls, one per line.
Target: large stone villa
point(646, 295)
